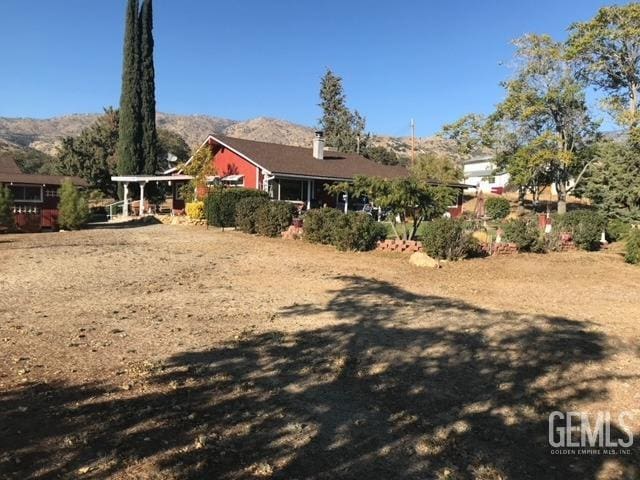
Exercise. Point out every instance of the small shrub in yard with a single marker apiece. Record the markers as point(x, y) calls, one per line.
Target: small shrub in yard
point(246, 213)
point(357, 231)
point(73, 208)
point(195, 210)
point(320, 225)
point(585, 227)
point(220, 204)
point(6, 204)
point(525, 233)
point(632, 251)
point(497, 208)
point(617, 229)
point(272, 218)
point(448, 239)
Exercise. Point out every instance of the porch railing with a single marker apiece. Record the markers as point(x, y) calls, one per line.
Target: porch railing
point(113, 209)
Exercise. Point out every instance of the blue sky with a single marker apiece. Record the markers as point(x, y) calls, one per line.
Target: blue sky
point(433, 61)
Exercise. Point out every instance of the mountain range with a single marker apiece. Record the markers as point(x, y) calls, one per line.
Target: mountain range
point(30, 135)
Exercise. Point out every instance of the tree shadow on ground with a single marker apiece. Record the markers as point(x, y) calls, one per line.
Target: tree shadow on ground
point(395, 385)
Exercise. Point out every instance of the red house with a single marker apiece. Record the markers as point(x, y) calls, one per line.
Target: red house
point(295, 174)
point(35, 197)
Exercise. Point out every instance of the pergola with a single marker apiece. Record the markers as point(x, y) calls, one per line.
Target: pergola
point(142, 180)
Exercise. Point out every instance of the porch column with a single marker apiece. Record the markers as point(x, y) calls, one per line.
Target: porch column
point(125, 201)
point(141, 209)
point(346, 202)
point(308, 194)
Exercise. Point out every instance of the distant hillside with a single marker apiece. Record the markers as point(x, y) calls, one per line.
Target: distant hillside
point(43, 134)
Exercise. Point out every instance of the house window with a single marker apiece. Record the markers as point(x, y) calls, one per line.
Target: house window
point(26, 193)
point(51, 192)
point(292, 190)
point(233, 180)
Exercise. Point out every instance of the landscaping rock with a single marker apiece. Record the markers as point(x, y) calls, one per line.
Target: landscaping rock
point(293, 233)
point(421, 259)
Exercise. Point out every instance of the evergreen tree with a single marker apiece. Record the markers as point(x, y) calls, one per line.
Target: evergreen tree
point(130, 128)
point(6, 204)
point(73, 208)
point(343, 129)
point(612, 182)
point(91, 155)
point(148, 91)
point(382, 155)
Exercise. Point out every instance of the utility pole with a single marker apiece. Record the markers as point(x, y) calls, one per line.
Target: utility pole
point(413, 142)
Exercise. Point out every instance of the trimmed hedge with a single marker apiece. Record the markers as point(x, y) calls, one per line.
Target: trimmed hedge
point(525, 233)
point(497, 208)
point(632, 250)
point(358, 232)
point(246, 213)
point(448, 239)
point(220, 204)
point(585, 227)
point(272, 218)
point(352, 231)
point(320, 224)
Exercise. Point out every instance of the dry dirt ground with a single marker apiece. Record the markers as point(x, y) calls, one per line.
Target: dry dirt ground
point(177, 352)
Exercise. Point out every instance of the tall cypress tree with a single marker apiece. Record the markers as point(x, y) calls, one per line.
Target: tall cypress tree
point(148, 91)
point(130, 128)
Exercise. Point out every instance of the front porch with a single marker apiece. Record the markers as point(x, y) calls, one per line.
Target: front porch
point(141, 180)
point(308, 192)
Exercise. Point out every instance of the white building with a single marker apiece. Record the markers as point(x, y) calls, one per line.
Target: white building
point(482, 172)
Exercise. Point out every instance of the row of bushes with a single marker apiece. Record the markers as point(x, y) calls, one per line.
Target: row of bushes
point(262, 216)
point(351, 231)
point(251, 211)
point(248, 210)
point(584, 226)
point(220, 204)
point(451, 239)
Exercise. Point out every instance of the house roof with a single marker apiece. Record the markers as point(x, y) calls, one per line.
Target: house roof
point(27, 178)
point(479, 159)
point(299, 161)
point(11, 173)
point(8, 164)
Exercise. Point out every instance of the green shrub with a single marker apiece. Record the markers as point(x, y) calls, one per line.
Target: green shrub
point(274, 217)
point(497, 208)
point(73, 210)
point(320, 225)
point(353, 231)
point(585, 227)
point(220, 204)
point(246, 213)
point(525, 233)
point(448, 239)
point(6, 208)
point(632, 250)
point(617, 229)
point(357, 231)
